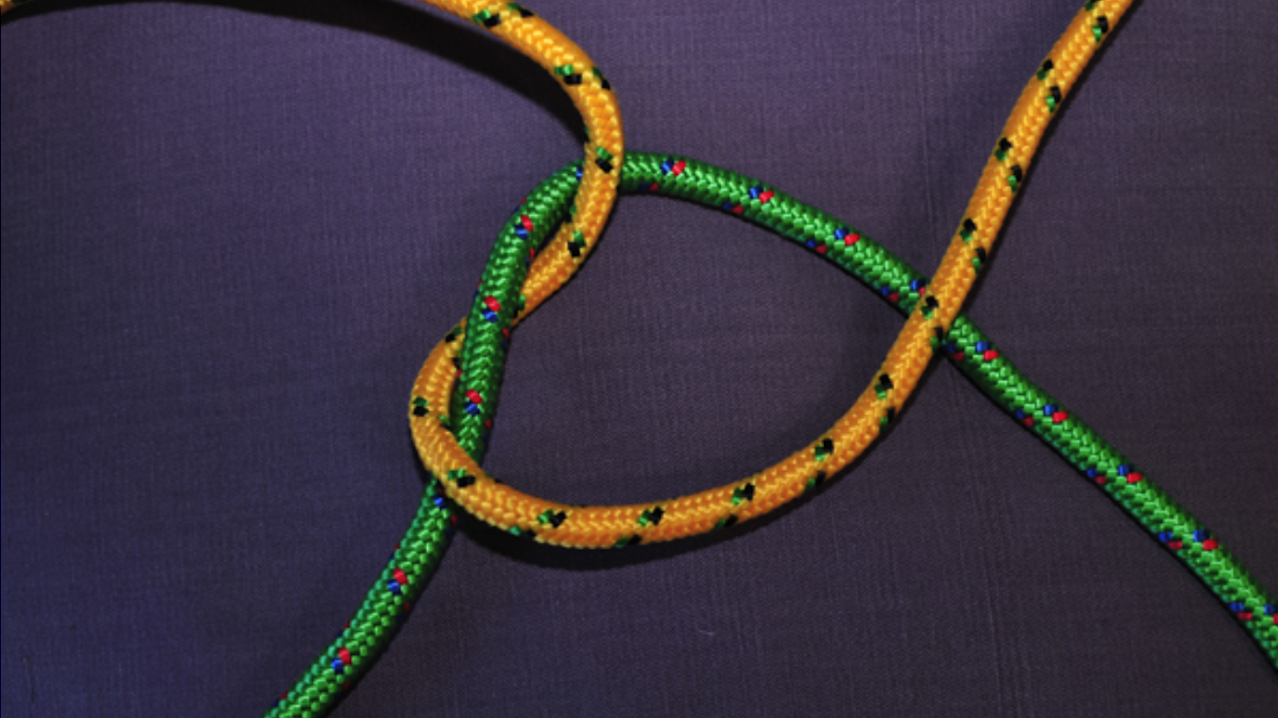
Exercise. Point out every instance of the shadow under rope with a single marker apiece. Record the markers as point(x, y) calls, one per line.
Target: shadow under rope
point(423, 28)
point(526, 550)
point(431, 32)
point(542, 555)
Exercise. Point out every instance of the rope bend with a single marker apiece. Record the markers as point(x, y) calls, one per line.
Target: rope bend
point(418, 554)
point(439, 422)
point(973, 352)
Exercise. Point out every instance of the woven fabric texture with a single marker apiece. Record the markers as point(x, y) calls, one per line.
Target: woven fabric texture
point(232, 231)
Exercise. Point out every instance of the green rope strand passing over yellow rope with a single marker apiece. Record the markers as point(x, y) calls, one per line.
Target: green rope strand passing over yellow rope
point(965, 345)
point(415, 558)
point(417, 555)
point(368, 634)
point(497, 309)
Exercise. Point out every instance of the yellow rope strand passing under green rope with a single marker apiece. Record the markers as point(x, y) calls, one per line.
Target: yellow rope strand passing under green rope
point(974, 353)
point(450, 419)
point(571, 526)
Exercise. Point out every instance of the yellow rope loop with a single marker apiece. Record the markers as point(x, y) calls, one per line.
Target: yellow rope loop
point(606, 526)
point(615, 526)
point(601, 170)
point(568, 525)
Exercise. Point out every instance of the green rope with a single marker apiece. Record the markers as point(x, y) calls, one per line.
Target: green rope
point(484, 357)
point(484, 353)
point(370, 631)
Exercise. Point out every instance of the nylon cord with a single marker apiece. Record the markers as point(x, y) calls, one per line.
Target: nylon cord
point(416, 557)
point(440, 422)
point(973, 352)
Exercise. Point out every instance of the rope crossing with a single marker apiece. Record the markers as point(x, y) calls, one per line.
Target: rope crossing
point(973, 352)
point(455, 396)
point(500, 303)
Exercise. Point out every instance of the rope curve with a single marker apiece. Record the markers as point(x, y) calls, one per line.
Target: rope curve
point(417, 555)
point(973, 352)
point(498, 306)
point(455, 396)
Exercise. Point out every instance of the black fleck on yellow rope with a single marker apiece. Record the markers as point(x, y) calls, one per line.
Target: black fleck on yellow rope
point(418, 553)
point(499, 305)
point(974, 353)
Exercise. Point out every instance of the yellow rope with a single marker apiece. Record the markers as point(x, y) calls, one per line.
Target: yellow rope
point(589, 91)
point(593, 98)
point(367, 635)
point(606, 526)
point(614, 526)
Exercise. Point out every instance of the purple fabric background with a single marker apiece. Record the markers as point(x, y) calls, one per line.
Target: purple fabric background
point(231, 232)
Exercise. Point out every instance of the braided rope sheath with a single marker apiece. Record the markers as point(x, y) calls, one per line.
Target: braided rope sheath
point(498, 306)
point(1152, 509)
point(965, 345)
point(418, 553)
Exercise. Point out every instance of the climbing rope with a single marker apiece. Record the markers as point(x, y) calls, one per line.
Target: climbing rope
point(439, 423)
point(417, 555)
point(974, 353)
point(450, 426)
